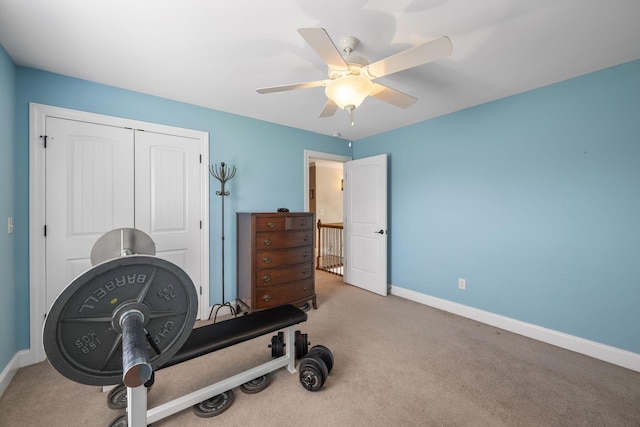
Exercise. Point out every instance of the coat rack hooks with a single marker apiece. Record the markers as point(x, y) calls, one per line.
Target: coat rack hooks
point(223, 174)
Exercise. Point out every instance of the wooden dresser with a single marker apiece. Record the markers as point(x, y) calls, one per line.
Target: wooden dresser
point(275, 259)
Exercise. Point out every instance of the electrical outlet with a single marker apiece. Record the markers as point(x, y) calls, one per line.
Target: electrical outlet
point(462, 284)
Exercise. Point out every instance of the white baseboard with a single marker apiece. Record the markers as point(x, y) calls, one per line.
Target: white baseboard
point(593, 349)
point(16, 362)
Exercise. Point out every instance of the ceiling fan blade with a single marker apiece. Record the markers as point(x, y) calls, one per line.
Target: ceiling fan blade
point(320, 41)
point(329, 109)
point(430, 51)
point(392, 96)
point(283, 88)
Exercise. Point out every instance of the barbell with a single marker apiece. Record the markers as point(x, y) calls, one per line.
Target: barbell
point(124, 317)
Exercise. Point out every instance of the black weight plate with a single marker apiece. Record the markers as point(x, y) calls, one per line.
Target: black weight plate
point(256, 385)
point(120, 421)
point(277, 345)
point(281, 344)
point(117, 398)
point(313, 373)
point(79, 338)
point(324, 353)
point(272, 346)
point(214, 406)
point(302, 345)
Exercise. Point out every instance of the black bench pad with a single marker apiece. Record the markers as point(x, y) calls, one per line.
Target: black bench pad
point(216, 336)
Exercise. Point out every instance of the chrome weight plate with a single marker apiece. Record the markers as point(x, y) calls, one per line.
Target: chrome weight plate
point(82, 337)
point(121, 242)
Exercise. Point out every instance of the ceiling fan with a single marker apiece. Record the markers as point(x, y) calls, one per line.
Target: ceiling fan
point(351, 78)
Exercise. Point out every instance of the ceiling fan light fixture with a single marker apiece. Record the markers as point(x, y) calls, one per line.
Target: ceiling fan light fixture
point(349, 91)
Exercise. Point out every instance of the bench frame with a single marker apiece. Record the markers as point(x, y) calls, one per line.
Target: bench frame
point(139, 415)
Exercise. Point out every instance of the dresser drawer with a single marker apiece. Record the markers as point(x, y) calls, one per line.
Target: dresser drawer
point(275, 276)
point(270, 223)
point(283, 294)
point(284, 223)
point(282, 258)
point(300, 223)
point(285, 239)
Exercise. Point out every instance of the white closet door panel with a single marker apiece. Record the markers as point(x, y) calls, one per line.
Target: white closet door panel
point(167, 186)
point(89, 177)
point(169, 192)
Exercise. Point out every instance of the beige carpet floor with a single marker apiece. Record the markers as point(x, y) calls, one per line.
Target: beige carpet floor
point(397, 363)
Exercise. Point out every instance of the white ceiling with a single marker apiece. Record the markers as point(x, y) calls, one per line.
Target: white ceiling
point(215, 54)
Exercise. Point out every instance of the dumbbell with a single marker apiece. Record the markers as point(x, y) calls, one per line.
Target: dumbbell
point(315, 367)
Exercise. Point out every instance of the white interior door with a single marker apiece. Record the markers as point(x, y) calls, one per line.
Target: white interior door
point(89, 186)
point(365, 223)
point(168, 197)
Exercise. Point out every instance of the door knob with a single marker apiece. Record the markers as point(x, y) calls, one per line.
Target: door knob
point(379, 232)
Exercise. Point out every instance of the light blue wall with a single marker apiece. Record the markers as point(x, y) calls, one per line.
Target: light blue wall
point(8, 345)
point(533, 199)
point(269, 158)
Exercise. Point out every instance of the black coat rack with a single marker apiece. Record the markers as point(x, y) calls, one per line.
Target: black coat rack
point(223, 174)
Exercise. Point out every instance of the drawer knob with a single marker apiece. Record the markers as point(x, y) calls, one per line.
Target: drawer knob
point(306, 237)
point(266, 242)
point(306, 289)
point(266, 278)
point(266, 297)
point(266, 260)
point(306, 254)
point(305, 271)
point(303, 222)
point(271, 224)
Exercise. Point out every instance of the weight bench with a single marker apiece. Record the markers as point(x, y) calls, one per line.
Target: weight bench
point(217, 336)
point(130, 315)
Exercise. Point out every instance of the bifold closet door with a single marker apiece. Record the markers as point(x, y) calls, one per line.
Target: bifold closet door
point(101, 177)
point(168, 202)
point(89, 191)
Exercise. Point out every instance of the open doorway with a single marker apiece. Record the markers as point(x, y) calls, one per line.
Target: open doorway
point(324, 196)
point(325, 190)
